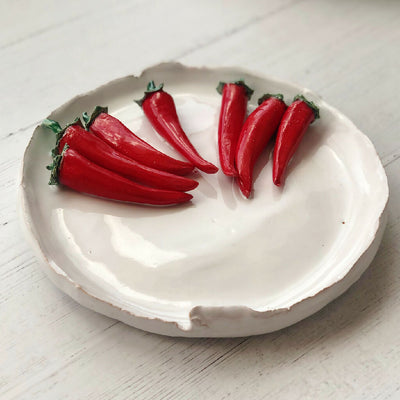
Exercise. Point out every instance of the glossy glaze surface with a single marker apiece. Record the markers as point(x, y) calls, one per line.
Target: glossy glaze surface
point(264, 254)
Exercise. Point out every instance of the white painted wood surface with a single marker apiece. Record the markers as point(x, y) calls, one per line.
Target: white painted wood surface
point(52, 348)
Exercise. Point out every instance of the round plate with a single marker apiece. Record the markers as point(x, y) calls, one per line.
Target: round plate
point(221, 265)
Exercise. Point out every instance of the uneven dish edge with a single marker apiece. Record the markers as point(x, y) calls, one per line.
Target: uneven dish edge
point(222, 319)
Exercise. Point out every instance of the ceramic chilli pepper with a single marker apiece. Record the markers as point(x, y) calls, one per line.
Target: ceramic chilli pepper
point(159, 108)
point(99, 152)
point(258, 129)
point(299, 115)
point(117, 135)
point(73, 170)
point(232, 115)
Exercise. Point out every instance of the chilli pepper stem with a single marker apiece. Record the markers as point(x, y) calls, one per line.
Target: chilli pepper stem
point(310, 104)
point(248, 90)
point(96, 112)
point(55, 166)
point(266, 96)
point(56, 127)
point(151, 88)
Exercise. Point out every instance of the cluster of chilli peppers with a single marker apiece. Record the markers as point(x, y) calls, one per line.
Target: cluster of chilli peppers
point(102, 157)
point(241, 140)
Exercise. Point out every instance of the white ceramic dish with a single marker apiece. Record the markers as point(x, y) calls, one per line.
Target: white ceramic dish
point(222, 265)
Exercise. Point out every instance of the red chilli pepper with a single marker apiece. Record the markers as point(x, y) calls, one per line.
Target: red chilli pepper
point(99, 152)
point(117, 135)
point(299, 115)
point(233, 113)
point(258, 129)
point(73, 170)
point(159, 108)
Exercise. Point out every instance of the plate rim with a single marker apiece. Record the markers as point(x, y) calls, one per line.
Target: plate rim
point(199, 326)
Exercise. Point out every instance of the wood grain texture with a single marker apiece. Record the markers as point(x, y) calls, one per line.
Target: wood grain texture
point(52, 348)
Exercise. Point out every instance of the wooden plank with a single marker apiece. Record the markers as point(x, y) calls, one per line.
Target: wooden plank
point(77, 56)
point(52, 348)
point(341, 50)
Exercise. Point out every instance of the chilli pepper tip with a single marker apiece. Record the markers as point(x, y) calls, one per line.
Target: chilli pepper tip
point(246, 191)
point(277, 181)
point(208, 168)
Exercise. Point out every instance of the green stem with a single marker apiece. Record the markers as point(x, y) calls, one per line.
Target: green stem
point(55, 127)
point(96, 112)
point(151, 88)
point(310, 104)
point(249, 91)
point(85, 118)
point(266, 96)
point(220, 87)
point(55, 166)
